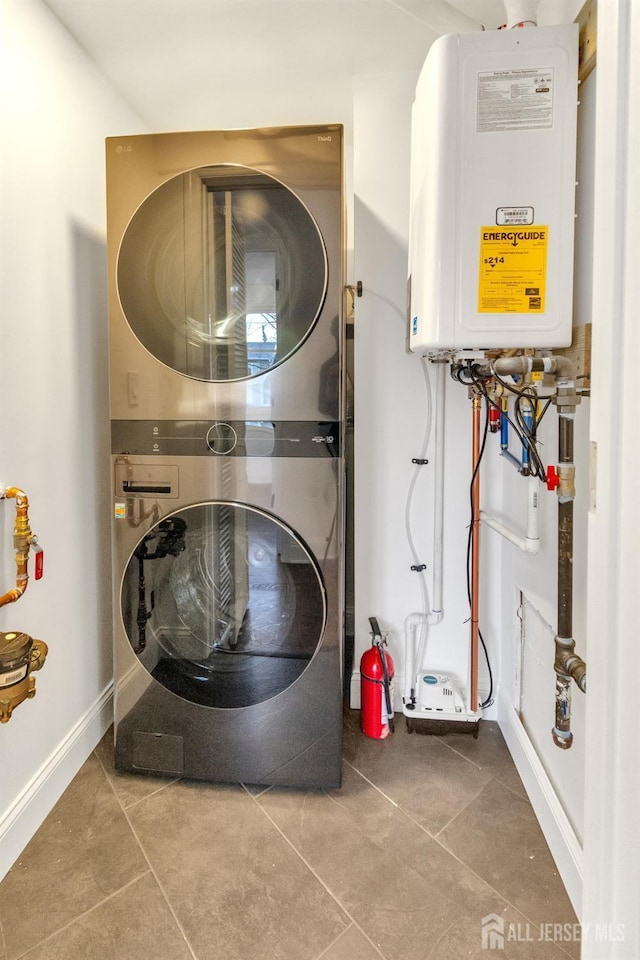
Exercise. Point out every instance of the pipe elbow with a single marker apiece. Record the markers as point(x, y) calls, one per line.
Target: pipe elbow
point(15, 493)
point(12, 595)
point(563, 367)
point(414, 620)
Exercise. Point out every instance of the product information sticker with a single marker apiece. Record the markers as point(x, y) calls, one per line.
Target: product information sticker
point(513, 269)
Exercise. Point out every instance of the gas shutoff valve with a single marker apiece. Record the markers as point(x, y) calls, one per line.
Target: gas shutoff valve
point(20, 656)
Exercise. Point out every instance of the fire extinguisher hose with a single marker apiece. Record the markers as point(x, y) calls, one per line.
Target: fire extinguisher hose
point(386, 684)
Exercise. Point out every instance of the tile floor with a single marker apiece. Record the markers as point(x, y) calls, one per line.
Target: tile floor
point(427, 836)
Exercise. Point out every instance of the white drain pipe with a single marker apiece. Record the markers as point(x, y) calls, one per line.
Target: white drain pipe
point(521, 13)
point(531, 542)
point(414, 652)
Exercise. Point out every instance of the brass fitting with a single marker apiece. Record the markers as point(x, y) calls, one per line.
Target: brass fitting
point(22, 537)
point(566, 398)
point(20, 656)
point(567, 478)
point(568, 664)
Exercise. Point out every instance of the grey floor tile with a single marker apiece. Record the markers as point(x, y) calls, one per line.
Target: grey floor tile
point(128, 787)
point(498, 836)
point(352, 945)
point(514, 939)
point(237, 887)
point(427, 779)
point(402, 888)
point(135, 924)
point(83, 852)
point(489, 752)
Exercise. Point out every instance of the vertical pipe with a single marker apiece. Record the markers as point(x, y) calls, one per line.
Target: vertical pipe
point(475, 553)
point(564, 642)
point(533, 527)
point(438, 506)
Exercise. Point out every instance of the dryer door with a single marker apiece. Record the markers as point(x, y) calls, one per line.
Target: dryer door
point(223, 604)
point(222, 273)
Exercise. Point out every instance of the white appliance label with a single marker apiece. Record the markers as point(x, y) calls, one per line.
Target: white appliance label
point(509, 215)
point(515, 100)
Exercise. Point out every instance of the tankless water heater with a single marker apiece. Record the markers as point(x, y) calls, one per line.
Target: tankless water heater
point(493, 190)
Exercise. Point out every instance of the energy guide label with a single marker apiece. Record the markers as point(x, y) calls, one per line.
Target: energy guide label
point(513, 269)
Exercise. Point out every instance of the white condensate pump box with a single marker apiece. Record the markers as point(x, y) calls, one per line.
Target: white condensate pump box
point(493, 191)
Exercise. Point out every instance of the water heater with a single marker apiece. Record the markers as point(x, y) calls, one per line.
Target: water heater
point(493, 191)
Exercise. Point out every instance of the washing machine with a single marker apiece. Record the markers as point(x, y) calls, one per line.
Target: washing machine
point(226, 389)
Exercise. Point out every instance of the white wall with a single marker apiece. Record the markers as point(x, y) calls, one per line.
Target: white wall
point(57, 109)
point(391, 409)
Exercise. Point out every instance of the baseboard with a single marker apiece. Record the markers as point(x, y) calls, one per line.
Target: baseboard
point(560, 836)
point(19, 823)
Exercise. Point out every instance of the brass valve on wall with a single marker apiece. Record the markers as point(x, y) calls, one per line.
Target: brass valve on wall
point(20, 656)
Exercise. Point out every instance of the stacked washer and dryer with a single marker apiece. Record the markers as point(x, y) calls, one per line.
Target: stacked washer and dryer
point(226, 356)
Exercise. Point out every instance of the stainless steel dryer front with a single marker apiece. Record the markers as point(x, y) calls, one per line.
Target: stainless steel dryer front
point(225, 287)
point(225, 274)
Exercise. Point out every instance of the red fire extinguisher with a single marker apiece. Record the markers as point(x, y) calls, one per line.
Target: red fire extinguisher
point(376, 687)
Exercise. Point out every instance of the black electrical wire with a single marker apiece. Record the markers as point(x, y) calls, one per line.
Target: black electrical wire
point(528, 432)
point(489, 699)
point(545, 408)
point(527, 435)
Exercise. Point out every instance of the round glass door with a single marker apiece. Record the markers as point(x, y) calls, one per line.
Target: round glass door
point(222, 273)
point(223, 604)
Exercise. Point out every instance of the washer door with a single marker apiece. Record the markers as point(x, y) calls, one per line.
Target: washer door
point(223, 604)
point(222, 273)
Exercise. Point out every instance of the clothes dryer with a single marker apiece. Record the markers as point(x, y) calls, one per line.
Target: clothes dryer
point(225, 283)
point(225, 274)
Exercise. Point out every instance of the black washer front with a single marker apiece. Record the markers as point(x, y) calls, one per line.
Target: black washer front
point(223, 604)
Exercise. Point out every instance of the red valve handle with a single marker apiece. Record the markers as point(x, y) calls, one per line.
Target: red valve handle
point(553, 480)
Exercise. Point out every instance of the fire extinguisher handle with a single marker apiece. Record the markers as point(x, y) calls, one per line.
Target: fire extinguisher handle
point(375, 627)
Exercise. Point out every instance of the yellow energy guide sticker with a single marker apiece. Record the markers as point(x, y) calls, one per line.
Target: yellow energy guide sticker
point(513, 269)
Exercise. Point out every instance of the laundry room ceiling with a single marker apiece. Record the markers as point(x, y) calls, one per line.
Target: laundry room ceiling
point(170, 57)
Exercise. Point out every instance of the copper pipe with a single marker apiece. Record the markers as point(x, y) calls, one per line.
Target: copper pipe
point(475, 552)
point(22, 538)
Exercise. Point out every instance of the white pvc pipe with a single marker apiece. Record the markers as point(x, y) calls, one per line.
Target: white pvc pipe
point(411, 622)
point(531, 542)
point(414, 652)
point(521, 13)
point(438, 505)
